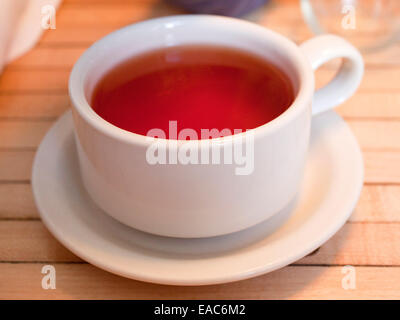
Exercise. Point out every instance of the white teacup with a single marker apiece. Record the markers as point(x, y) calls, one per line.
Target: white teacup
point(203, 200)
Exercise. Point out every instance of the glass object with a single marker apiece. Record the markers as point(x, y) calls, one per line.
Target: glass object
point(368, 24)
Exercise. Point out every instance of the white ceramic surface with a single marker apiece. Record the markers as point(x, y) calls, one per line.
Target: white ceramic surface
point(329, 191)
point(21, 26)
point(194, 200)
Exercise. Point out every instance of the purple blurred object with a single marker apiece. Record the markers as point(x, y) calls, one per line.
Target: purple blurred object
point(233, 8)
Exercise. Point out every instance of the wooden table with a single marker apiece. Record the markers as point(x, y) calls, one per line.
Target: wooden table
point(33, 93)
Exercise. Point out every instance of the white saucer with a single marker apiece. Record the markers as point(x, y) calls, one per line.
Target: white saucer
point(331, 187)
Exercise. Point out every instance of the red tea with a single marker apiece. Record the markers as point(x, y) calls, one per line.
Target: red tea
point(199, 87)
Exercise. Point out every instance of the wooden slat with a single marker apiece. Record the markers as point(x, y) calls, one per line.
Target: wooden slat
point(16, 165)
point(36, 106)
point(25, 81)
point(375, 80)
point(116, 15)
point(22, 134)
point(16, 202)
point(377, 134)
point(382, 167)
point(104, 14)
point(73, 37)
point(354, 244)
point(77, 281)
point(377, 203)
point(30, 241)
point(48, 58)
point(360, 244)
point(372, 105)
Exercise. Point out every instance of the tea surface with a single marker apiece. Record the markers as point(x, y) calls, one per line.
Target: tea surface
point(199, 87)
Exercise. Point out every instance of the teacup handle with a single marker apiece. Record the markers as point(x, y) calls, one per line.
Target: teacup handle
point(320, 50)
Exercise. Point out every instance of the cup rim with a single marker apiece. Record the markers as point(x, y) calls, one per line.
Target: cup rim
point(302, 99)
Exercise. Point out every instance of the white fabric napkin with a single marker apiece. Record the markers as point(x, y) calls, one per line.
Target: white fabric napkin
point(21, 26)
